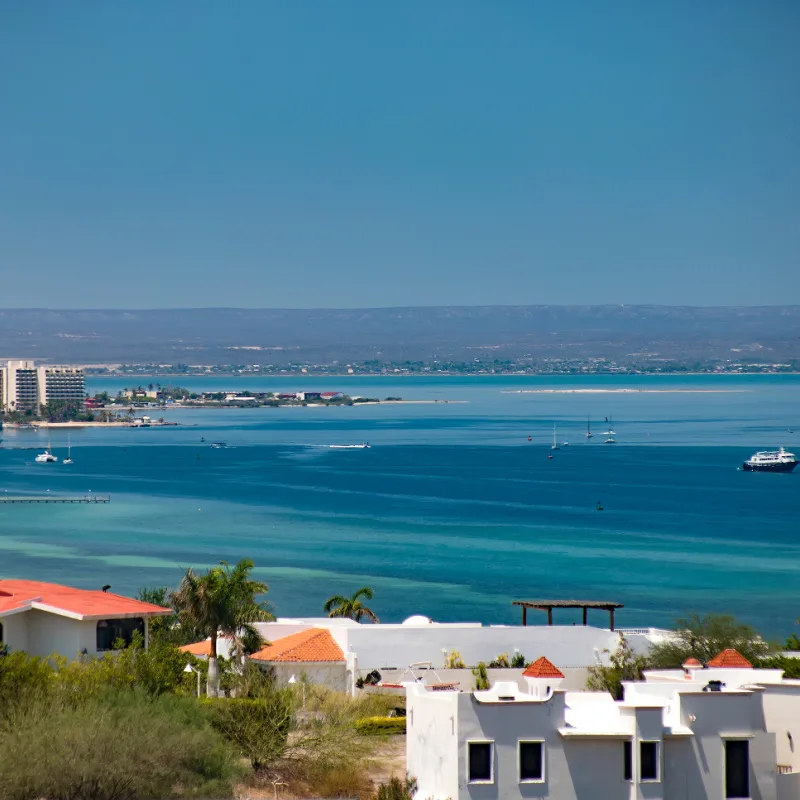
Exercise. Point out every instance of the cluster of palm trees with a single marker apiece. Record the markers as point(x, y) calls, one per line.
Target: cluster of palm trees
point(224, 602)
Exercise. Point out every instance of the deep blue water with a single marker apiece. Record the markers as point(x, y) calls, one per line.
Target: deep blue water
point(452, 512)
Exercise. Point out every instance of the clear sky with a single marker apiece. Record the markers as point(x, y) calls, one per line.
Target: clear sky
point(423, 152)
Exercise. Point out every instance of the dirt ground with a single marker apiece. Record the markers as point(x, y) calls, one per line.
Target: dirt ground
point(389, 760)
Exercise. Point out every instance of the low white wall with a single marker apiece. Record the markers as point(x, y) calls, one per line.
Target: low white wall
point(381, 646)
point(788, 786)
point(574, 678)
point(334, 676)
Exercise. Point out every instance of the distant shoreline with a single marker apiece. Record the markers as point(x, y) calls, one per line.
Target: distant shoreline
point(626, 391)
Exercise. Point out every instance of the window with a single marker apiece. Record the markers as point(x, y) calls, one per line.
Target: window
point(1, 633)
point(737, 768)
point(531, 761)
point(627, 761)
point(479, 757)
point(648, 761)
point(110, 631)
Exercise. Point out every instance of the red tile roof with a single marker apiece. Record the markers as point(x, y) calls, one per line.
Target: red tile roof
point(204, 648)
point(691, 662)
point(314, 644)
point(76, 603)
point(542, 668)
point(198, 648)
point(730, 659)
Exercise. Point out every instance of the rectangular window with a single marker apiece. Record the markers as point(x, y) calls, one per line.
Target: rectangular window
point(479, 758)
point(531, 761)
point(737, 768)
point(648, 761)
point(627, 761)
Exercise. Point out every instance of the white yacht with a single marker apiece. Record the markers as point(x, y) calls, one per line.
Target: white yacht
point(771, 461)
point(555, 443)
point(45, 458)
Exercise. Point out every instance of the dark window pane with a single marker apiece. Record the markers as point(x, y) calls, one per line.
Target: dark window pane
point(530, 761)
point(737, 768)
point(627, 761)
point(480, 761)
point(109, 631)
point(648, 761)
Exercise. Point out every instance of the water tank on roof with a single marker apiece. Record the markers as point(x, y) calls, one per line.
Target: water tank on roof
point(417, 619)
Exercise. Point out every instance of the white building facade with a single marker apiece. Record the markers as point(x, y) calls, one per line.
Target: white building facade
point(24, 386)
point(709, 735)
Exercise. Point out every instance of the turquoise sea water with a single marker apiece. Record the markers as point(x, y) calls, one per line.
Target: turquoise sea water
point(452, 512)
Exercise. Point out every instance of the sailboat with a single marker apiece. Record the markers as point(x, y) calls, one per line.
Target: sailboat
point(555, 443)
point(68, 459)
point(589, 433)
point(47, 457)
point(609, 434)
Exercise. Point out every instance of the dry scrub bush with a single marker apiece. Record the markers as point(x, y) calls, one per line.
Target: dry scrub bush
point(122, 745)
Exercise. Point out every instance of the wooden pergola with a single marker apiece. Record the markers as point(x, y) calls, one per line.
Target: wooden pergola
point(549, 605)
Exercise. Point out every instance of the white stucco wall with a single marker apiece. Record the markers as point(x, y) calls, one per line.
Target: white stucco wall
point(334, 676)
point(590, 766)
point(432, 742)
point(15, 631)
point(400, 645)
point(52, 633)
point(782, 717)
point(574, 678)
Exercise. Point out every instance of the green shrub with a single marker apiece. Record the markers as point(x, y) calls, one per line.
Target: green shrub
point(121, 745)
point(481, 678)
point(518, 661)
point(23, 679)
point(258, 727)
point(397, 789)
point(789, 665)
point(381, 726)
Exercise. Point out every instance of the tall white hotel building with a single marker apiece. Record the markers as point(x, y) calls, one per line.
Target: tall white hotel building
point(25, 386)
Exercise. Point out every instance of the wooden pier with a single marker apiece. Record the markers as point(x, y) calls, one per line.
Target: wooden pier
point(53, 498)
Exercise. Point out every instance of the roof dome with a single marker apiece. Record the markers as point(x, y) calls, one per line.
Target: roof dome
point(417, 619)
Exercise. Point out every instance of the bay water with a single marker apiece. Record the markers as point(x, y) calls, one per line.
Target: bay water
point(452, 512)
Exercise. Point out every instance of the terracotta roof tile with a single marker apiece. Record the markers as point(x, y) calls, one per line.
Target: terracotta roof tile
point(198, 648)
point(542, 668)
point(314, 644)
point(691, 662)
point(80, 603)
point(730, 658)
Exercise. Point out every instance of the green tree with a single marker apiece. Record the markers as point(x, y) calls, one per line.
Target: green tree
point(223, 601)
point(703, 637)
point(352, 607)
point(624, 665)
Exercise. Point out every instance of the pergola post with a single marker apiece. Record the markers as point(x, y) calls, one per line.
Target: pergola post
point(611, 617)
point(524, 615)
point(584, 615)
point(549, 615)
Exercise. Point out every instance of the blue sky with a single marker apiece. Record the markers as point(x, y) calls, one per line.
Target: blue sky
point(338, 153)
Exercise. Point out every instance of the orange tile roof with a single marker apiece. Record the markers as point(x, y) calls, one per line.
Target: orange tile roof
point(198, 648)
point(730, 658)
point(314, 644)
point(691, 662)
point(542, 668)
point(70, 602)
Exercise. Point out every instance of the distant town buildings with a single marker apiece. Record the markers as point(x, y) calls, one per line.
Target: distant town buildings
point(26, 387)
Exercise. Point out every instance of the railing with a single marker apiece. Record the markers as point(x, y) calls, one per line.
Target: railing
point(785, 769)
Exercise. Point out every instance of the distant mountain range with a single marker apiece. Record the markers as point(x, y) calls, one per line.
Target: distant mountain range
point(626, 334)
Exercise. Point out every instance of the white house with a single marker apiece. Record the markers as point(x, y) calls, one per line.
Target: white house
point(46, 618)
point(394, 646)
point(719, 732)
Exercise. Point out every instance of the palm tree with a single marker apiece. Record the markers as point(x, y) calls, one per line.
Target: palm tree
point(352, 607)
point(223, 601)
